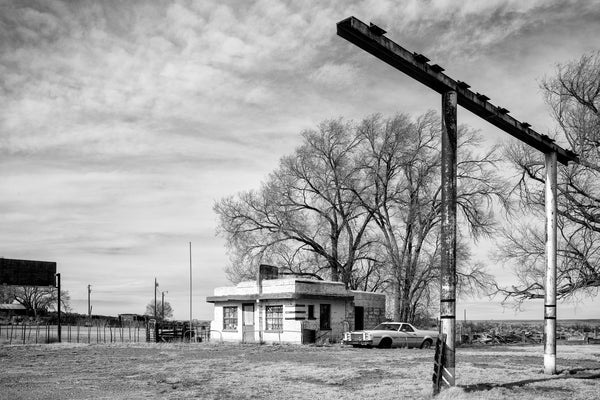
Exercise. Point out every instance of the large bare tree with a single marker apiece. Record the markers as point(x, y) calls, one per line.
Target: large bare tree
point(307, 216)
point(402, 166)
point(360, 203)
point(37, 299)
point(573, 95)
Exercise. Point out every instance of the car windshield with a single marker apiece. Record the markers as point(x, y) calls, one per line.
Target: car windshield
point(387, 327)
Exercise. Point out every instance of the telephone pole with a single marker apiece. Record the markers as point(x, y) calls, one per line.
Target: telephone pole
point(155, 286)
point(89, 302)
point(190, 291)
point(162, 316)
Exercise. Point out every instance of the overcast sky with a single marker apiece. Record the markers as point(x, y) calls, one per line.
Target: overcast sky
point(122, 122)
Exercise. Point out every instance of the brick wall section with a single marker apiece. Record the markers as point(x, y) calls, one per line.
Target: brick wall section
point(373, 317)
point(374, 308)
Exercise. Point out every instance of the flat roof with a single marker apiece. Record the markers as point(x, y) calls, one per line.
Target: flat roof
point(275, 296)
point(12, 307)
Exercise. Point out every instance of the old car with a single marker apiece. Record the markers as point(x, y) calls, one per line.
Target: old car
point(391, 334)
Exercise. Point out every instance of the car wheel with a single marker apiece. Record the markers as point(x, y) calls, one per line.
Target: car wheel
point(386, 343)
point(426, 344)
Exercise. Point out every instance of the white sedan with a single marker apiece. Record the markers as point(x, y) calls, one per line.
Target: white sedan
point(392, 334)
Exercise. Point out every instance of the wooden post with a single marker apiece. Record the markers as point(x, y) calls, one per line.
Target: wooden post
point(448, 242)
point(550, 289)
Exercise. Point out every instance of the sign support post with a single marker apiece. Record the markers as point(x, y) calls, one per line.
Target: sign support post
point(448, 242)
point(550, 287)
point(58, 308)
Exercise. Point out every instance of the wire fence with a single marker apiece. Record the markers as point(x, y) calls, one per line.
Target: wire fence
point(39, 333)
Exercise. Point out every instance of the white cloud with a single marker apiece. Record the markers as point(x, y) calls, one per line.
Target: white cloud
point(122, 122)
point(336, 75)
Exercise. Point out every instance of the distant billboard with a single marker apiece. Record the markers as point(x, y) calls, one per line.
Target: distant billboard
point(27, 272)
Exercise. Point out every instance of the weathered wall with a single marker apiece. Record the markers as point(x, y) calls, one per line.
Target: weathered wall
point(295, 312)
point(374, 307)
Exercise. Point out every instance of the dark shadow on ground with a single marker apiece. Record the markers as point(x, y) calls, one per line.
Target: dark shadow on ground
point(576, 373)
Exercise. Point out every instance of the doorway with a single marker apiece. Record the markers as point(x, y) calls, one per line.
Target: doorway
point(248, 323)
point(359, 318)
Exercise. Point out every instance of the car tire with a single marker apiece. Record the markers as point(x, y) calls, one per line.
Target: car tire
point(427, 344)
point(386, 343)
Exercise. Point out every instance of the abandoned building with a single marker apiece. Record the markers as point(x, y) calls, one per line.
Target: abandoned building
point(278, 308)
point(10, 311)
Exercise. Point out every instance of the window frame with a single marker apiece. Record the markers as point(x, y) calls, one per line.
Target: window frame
point(311, 312)
point(274, 318)
point(325, 311)
point(230, 317)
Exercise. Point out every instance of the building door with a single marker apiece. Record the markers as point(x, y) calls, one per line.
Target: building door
point(359, 318)
point(325, 317)
point(248, 323)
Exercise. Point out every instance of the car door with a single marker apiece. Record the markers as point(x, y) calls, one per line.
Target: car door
point(399, 337)
point(412, 338)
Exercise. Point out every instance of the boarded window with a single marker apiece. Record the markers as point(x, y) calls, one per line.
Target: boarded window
point(230, 318)
point(274, 318)
point(325, 317)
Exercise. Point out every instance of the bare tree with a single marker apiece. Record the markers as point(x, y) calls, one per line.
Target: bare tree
point(361, 204)
point(402, 165)
point(163, 310)
point(38, 299)
point(307, 215)
point(573, 96)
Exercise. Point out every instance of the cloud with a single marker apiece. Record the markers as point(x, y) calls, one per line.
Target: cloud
point(122, 122)
point(335, 75)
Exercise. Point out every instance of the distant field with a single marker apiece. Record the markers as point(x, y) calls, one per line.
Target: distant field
point(228, 371)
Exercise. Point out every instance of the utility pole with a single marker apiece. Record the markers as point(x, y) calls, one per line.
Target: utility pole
point(155, 286)
point(162, 316)
point(190, 291)
point(89, 302)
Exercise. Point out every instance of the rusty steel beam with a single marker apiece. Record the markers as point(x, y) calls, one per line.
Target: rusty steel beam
point(371, 39)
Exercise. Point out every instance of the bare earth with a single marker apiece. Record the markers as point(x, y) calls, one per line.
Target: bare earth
point(227, 371)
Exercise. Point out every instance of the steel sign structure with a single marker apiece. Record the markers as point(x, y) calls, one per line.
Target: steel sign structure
point(454, 92)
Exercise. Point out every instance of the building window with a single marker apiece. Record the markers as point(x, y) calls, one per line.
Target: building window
point(274, 318)
point(325, 317)
point(311, 311)
point(230, 318)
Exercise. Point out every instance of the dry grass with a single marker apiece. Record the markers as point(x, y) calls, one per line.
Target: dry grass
point(226, 371)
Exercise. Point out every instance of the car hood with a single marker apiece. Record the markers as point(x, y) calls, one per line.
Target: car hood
point(374, 332)
point(384, 332)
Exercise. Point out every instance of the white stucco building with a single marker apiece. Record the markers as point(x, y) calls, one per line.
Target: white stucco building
point(276, 309)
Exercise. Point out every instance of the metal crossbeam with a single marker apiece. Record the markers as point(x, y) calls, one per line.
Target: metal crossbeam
point(371, 39)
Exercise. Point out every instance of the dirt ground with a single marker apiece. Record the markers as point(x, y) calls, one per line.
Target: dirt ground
point(228, 371)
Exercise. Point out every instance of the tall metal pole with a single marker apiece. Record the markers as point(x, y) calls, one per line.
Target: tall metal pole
point(448, 242)
point(58, 308)
point(162, 303)
point(190, 291)
point(89, 302)
point(550, 292)
point(155, 286)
